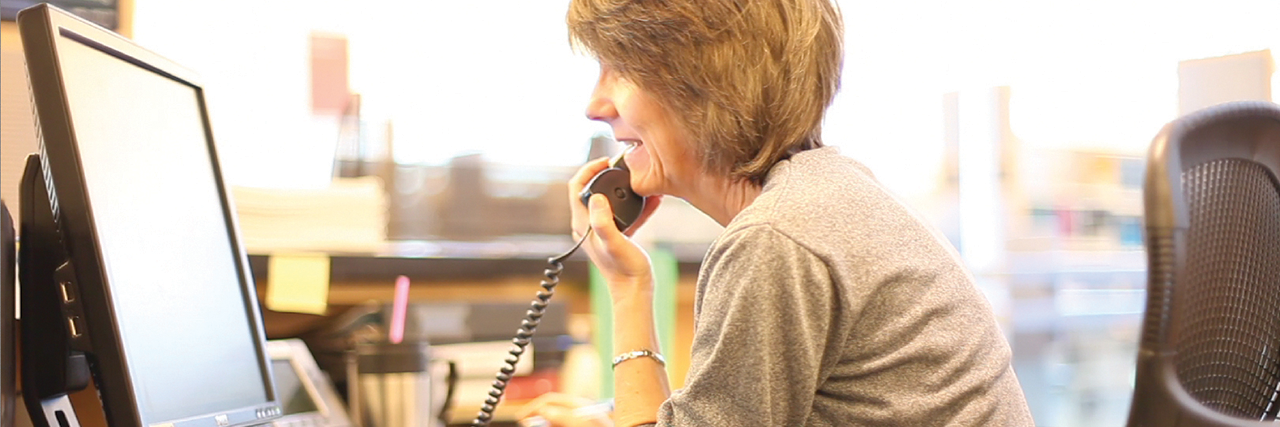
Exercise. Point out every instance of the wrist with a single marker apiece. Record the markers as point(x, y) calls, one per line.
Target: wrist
point(640, 353)
point(632, 291)
point(627, 302)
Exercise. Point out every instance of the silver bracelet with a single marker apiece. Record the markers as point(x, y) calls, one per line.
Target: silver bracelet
point(637, 354)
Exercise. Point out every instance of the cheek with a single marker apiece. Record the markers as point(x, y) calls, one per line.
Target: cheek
point(641, 164)
point(648, 172)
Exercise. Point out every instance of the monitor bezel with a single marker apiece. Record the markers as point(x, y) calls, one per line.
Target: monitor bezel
point(8, 341)
point(43, 30)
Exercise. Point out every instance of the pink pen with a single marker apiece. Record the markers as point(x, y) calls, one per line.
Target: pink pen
point(399, 307)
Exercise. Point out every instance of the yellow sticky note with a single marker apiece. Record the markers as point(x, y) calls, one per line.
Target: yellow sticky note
point(298, 283)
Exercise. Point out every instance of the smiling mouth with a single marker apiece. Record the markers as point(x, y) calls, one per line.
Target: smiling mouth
point(617, 161)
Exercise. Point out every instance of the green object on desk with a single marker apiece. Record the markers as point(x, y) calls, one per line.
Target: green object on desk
point(666, 274)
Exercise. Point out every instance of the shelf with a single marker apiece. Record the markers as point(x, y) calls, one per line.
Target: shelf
point(455, 261)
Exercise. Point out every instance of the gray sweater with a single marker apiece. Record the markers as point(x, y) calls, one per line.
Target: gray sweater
point(826, 302)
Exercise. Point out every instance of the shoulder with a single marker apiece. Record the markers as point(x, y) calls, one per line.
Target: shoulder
point(832, 204)
point(831, 207)
point(756, 249)
point(760, 266)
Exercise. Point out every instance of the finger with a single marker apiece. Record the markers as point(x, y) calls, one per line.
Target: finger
point(602, 219)
point(533, 407)
point(547, 400)
point(528, 410)
point(584, 175)
point(651, 204)
point(534, 421)
point(578, 212)
point(558, 416)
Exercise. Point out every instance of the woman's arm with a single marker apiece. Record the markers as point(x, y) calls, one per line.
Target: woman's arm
point(640, 384)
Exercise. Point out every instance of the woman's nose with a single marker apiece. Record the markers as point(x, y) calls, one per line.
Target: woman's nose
point(600, 107)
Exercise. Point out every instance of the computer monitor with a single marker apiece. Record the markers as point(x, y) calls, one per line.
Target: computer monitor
point(156, 289)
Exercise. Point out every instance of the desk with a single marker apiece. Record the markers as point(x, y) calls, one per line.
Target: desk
point(505, 270)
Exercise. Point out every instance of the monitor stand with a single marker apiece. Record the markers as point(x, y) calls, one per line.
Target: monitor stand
point(51, 366)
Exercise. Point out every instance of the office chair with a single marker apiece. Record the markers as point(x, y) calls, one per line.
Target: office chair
point(1210, 349)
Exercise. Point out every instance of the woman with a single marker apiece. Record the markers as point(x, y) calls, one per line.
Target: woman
point(824, 301)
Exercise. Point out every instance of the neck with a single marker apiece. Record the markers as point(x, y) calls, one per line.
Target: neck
point(722, 198)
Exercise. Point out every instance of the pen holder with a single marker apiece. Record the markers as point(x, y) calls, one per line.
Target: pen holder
point(399, 385)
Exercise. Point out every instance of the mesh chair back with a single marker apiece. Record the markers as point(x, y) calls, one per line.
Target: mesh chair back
point(1210, 351)
point(1228, 347)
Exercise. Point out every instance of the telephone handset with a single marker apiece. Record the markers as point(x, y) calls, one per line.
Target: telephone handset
point(614, 183)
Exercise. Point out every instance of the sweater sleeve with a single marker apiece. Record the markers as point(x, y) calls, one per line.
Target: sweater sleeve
point(764, 319)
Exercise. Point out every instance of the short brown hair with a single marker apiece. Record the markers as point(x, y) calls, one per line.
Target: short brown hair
point(750, 79)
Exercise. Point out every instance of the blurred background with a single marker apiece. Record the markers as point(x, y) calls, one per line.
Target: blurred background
point(433, 139)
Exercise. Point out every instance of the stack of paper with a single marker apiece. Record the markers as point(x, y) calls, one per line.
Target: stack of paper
point(349, 216)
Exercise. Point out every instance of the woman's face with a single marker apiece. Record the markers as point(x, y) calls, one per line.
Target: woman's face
point(663, 159)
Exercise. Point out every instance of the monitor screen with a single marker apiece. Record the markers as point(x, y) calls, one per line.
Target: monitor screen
point(167, 296)
point(164, 241)
point(293, 395)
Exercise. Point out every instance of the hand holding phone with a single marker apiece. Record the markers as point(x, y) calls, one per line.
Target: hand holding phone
point(608, 245)
point(615, 184)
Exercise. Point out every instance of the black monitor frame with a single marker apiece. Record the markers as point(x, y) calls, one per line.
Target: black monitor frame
point(44, 29)
point(8, 266)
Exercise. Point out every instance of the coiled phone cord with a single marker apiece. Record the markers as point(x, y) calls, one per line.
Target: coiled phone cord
point(523, 336)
